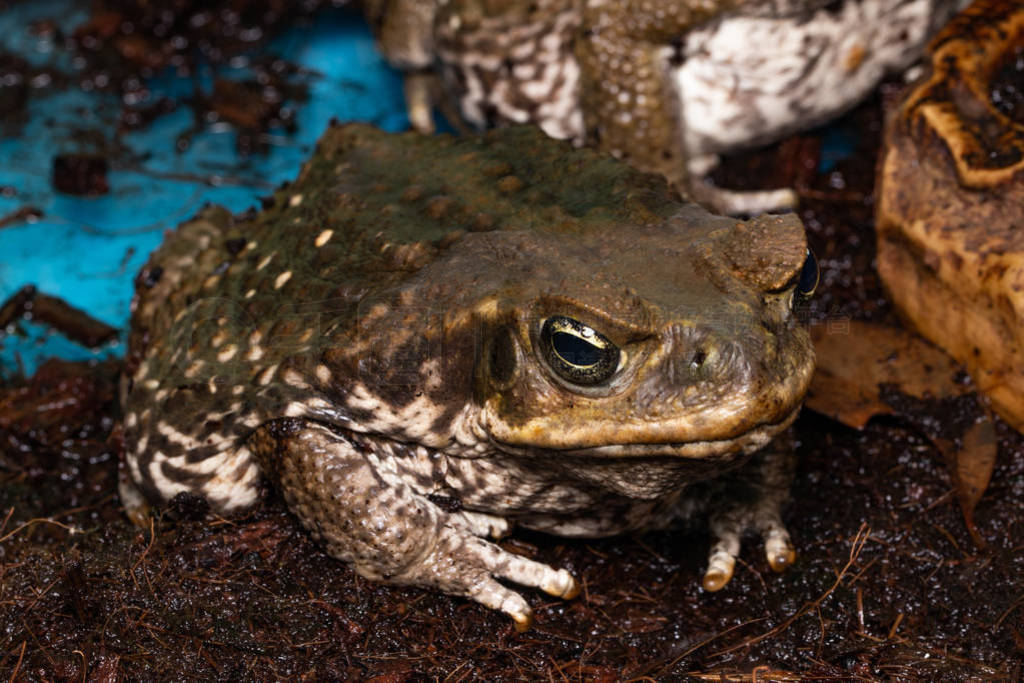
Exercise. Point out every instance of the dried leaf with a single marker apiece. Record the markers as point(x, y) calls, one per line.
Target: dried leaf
point(971, 467)
point(855, 358)
point(866, 370)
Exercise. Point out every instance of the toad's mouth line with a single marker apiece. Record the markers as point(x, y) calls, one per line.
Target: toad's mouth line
point(752, 440)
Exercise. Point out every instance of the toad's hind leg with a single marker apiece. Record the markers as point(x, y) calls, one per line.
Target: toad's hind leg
point(344, 488)
point(752, 498)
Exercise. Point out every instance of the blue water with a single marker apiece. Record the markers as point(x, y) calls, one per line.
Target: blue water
point(87, 250)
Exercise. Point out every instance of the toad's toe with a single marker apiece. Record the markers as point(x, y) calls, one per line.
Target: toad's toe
point(722, 560)
point(490, 593)
point(778, 549)
point(527, 572)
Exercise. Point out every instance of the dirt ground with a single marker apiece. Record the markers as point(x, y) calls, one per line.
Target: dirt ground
point(888, 583)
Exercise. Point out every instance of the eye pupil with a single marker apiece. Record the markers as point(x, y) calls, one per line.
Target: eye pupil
point(576, 352)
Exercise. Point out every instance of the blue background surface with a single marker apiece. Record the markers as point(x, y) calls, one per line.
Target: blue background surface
point(87, 250)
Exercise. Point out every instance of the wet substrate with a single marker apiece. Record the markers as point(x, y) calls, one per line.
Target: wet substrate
point(888, 583)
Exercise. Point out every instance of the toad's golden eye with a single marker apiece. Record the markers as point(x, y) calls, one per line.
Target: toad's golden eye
point(576, 352)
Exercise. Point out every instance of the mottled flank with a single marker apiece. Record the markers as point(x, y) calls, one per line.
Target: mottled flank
point(423, 341)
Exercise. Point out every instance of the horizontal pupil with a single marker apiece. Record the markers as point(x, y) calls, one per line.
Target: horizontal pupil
point(574, 350)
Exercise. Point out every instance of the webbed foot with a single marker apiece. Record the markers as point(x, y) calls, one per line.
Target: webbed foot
point(464, 565)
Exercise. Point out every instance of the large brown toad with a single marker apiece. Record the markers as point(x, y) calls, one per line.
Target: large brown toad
point(424, 341)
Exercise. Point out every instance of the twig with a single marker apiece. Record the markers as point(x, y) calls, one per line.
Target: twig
point(14, 674)
point(704, 642)
point(37, 520)
point(152, 538)
point(649, 549)
point(85, 663)
point(1009, 610)
point(895, 626)
point(7, 518)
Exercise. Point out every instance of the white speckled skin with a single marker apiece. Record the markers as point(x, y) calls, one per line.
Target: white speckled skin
point(735, 94)
point(373, 344)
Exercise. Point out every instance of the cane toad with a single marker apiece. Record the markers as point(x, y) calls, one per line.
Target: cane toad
point(425, 341)
point(665, 84)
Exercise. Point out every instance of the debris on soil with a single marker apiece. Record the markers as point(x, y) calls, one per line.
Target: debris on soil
point(147, 36)
point(971, 460)
point(73, 323)
point(125, 43)
point(866, 370)
point(129, 41)
point(15, 75)
point(55, 424)
point(21, 215)
point(255, 105)
point(16, 305)
point(80, 174)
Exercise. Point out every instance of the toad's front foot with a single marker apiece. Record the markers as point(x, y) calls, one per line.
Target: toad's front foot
point(344, 493)
point(756, 493)
point(728, 202)
point(467, 566)
point(727, 531)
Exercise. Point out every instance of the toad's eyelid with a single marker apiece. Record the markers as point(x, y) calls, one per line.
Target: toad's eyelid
point(805, 281)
